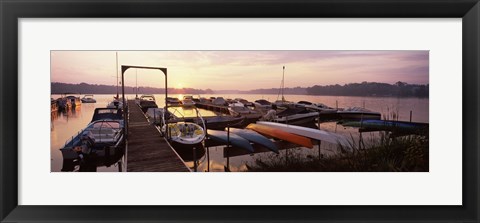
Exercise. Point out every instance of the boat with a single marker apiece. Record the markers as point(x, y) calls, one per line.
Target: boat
point(183, 134)
point(103, 136)
point(281, 102)
point(358, 113)
point(320, 107)
point(147, 101)
point(238, 109)
point(53, 105)
point(230, 138)
point(309, 132)
point(293, 116)
point(255, 137)
point(387, 125)
point(88, 98)
point(63, 104)
point(115, 103)
point(173, 101)
point(244, 101)
point(186, 136)
point(219, 101)
point(280, 134)
point(220, 122)
point(262, 105)
point(74, 100)
point(188, 101)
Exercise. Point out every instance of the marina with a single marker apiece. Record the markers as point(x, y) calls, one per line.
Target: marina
point(200, 130)
point(145, 143)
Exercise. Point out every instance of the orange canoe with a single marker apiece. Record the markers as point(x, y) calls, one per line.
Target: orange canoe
point(280, 134)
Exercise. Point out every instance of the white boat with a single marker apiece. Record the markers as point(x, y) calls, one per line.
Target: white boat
point(244, 101)
point(262, 105)
point(239, 109)
point(309, 132)
point(186, 133)
point(316, 107)
point(116, 103)
point(173, 101)
point(74, 100)
point(88, 98)
point(147, 101)
point(293, 116)
point(188, 101)
point(102, 137)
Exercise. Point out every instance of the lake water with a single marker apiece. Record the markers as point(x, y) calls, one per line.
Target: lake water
point(67, 124)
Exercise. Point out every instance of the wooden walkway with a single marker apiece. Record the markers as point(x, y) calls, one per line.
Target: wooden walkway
point(147, 151)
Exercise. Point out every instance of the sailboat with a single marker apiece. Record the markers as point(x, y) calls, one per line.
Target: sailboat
point(117, 102)
point(282, 102)
point(288, 113)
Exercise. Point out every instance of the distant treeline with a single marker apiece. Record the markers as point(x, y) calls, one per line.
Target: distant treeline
point(295, 90)
point(399, 89)
point(84, 88)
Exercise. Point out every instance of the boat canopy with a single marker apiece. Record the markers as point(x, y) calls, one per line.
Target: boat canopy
point(107, 113)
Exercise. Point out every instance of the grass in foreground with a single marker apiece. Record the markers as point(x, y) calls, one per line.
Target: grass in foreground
point(383, 154)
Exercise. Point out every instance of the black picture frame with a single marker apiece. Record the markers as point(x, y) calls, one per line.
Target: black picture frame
point(11, 11)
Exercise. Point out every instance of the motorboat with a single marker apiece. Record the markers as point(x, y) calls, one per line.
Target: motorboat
point(173, 101)
point(293, 116)
point(262, 105)
point(74, 101)
point(88, 98)
point(358, 113)
point(147, 101)
point(115, 103)
point(184, 134)
point(322, 108)
point(244, 101)
point(219, 101)
point(103, 137)
point(238, 109)
point(53, 105)
point(188, 101)
point(221, 122)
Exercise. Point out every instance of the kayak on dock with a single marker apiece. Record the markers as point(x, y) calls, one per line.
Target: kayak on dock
point(283, 135)
point(232, 139)
point(309, 132)
point(255, 137)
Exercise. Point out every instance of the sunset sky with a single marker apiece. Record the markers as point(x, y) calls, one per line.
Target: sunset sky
point(242, 70)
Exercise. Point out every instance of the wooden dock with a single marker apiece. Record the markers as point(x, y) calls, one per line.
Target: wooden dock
point(147, 150)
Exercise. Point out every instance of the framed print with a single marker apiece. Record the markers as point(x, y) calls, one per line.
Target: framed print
point(199, 111)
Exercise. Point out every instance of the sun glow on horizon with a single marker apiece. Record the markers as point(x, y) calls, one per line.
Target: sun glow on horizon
point(241, 70)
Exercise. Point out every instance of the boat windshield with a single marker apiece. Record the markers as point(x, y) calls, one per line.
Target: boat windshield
point(147, 98)
point(106, 124)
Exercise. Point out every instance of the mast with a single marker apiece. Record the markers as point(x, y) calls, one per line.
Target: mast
point(116, 68)
point(283, 83)
point(136, 84)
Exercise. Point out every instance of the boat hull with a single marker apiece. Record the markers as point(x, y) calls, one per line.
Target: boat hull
point(186, 150)
point(255, 137)
point(309, 132)
point(359, 116)
point(232, 139)
point(283, 135)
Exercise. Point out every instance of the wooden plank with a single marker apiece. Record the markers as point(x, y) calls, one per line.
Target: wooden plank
point(147, 150)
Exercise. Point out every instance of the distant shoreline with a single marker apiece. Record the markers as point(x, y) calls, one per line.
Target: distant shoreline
point(364, 89)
